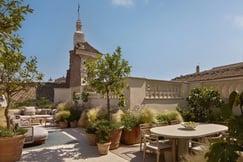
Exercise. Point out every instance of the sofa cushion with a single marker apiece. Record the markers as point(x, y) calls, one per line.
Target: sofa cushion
point(29, 110)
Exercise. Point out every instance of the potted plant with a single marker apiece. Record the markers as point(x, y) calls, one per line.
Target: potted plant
point(91, 133)
point(103, 135)
point(131, 130)
point(74, 117)
point(17, 73)
point(62, 118)
point(106, 75)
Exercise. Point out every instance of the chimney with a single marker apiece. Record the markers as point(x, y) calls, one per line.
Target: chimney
point(197, 69)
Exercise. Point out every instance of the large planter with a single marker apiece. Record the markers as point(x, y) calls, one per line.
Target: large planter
point(103, 148)
point(115, 138)
point(131, 137)
point(73, 124)
point(92, 139)
point(11, 148)
point(63, 124)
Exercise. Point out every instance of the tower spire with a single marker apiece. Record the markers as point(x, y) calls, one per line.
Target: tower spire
point(78, 11)
point(78, 34)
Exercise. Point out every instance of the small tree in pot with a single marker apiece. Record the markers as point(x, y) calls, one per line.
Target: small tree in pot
point(16, 72)
point(106, 76)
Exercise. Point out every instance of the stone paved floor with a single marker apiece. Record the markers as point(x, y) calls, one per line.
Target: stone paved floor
point(82, 151)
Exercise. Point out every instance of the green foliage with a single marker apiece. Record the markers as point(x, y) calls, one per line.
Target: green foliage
point(223, 152)
point(91, 128)
point(148, 115)
point(16, 70)
point(103, 131)
point(74, 115)
point(228, 148)
point(43, 102)
point(130, 120)
point(85, 97)
point(201, 101)
point(237, 99)
point(12, 14)
point(168, 116)
point(10, 132)
point(64, 106)
point(106, 75)
point(62, 115)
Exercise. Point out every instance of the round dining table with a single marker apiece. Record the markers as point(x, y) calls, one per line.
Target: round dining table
point(181, 135)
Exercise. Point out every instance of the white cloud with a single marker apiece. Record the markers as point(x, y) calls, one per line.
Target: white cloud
point(125, 3)
point(238, 21)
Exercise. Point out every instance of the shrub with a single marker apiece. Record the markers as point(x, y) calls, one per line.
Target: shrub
point(148, 115)
point(201, 101)
point(62, 115)
point(130, 120)
point(64, 106)
point(168, 116)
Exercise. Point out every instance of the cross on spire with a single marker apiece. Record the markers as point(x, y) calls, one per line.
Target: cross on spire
point(78, 11)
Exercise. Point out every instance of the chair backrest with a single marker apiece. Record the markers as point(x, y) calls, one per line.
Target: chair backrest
point(145, 128)
point(172, 122)
point(164, 123)
point(152, 139)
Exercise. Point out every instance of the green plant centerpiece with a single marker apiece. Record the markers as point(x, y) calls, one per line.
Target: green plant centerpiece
point(17, 73)
point(106, 75)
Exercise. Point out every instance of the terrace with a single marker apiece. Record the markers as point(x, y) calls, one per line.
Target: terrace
point(71, 144)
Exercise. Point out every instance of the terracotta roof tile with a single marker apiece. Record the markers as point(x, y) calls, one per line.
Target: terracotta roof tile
point(227, 71)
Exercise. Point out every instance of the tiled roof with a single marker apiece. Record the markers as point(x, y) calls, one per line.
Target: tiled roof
point(221, 72)
point(86, 46)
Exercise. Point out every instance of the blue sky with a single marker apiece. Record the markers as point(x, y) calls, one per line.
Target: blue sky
point(161, 39)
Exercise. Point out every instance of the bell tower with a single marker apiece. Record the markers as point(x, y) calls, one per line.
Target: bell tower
point(82, 51)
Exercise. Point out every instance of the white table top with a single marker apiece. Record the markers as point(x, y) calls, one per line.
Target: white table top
point(178, 131)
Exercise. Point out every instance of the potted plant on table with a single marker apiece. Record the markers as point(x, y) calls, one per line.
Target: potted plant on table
point(16, 74)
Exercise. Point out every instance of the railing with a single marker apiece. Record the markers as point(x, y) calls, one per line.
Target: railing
point(162, 90)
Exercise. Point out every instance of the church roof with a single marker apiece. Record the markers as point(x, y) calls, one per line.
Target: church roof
point(221, 72)
point(86, 47)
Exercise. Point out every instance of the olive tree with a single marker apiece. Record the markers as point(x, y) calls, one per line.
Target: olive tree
point(106, 75)
point(16, 71)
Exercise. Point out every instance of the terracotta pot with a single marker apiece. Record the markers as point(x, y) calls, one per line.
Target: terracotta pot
point(92, 139)
point(63, 124)
point(11, 148)
point(73, 124)
point(131, 137)
point(115, 138)
point(103, 148)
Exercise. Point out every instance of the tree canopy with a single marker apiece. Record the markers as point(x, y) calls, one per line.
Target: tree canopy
point(106, 74)
point(16, 71)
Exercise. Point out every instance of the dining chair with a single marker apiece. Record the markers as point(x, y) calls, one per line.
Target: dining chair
point(163, 123)
point(172, 122)
point(203, 144)
point(152, 144)
point(144, 131)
